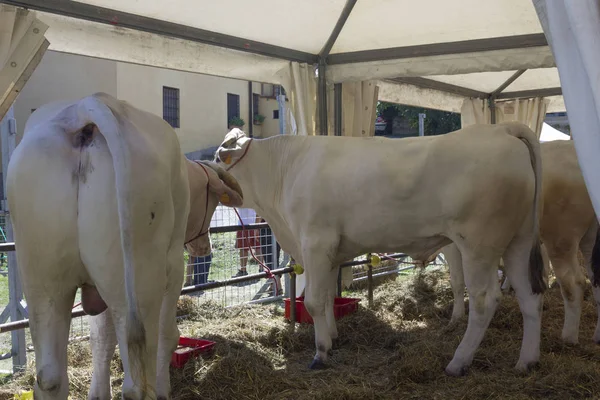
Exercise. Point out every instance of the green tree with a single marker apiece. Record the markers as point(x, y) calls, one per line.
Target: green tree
point(436, 122)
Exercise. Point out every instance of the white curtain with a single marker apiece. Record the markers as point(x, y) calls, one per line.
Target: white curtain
point(300, 83)
point(572, 28)
point(530, 112)
point(474, 111)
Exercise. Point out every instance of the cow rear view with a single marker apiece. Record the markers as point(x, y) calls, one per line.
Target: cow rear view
point(99, 199)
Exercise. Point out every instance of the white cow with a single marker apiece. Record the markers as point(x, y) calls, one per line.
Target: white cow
point(100, 199)
point(568, 224)
point(330, 199)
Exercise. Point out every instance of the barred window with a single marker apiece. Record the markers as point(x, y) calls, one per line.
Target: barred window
point(254, 104)
point(233, 106)
point(171, 106)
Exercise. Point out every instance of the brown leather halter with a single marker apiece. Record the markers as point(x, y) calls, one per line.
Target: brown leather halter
point(243, 155)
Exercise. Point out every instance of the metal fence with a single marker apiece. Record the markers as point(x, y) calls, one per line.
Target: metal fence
point(225, 276)
point(235, 249)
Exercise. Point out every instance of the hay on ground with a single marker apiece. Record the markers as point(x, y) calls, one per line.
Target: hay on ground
point(398, 350)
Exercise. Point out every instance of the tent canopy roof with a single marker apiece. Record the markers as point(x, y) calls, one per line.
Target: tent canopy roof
point(466, 44)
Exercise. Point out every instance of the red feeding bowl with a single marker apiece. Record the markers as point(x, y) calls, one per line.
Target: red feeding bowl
point(188, 348)
point(341, 307)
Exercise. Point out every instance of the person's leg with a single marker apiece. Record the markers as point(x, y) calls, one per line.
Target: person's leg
point(201, 269)
point(242, 245)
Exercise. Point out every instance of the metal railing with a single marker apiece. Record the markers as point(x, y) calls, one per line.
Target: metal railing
point(288, 272)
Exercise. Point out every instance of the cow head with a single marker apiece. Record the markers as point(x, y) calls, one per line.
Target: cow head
point(233, 147)
point(209, 185)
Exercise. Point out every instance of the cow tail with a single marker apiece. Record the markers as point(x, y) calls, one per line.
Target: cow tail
point(596, 261)
point(536, 262)
point(94, 110)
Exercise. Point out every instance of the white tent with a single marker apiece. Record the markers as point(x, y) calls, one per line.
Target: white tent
point(491, 60)
point(471, 56)
point(431, 53)
point(549, 134)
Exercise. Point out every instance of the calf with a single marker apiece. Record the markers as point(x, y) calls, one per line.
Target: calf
point(568, 224)
point(330, 199)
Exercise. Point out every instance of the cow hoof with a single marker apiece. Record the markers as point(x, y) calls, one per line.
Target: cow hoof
point(526, 368)
point(317, 365)
point(456, 372)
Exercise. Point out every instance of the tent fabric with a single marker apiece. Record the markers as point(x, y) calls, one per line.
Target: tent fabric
point(530, 112)
point(499, 60)
point(474, 111)
point(550, 134)
point(411, 95)
point(303, 98)
point(371, 24)
point(471, 20)
point(572, 28)
point(74, 36)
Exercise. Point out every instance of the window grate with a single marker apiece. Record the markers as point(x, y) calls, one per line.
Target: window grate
point(171, 106)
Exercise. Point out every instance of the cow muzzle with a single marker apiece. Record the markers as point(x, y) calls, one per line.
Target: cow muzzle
point(199, 247)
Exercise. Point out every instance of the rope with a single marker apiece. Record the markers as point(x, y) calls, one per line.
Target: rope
point(265, 268)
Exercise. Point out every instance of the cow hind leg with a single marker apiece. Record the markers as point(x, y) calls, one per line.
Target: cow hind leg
point(517, 267)
point(571, 280)
point(103, 340)
point(50, 332)
point(168, 330)
point(167, 343)
point(589, 245)
point(484, 293)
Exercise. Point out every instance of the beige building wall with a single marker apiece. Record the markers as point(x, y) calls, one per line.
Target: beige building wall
point(203, 98)
point(202, 101)
point(61, 76)
point(270, 126)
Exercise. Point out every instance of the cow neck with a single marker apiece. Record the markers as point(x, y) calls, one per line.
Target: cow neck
point(243, 155)
point(264, 168)
point(203, 232)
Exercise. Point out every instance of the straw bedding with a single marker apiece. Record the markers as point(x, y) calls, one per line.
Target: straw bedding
point(397, 350)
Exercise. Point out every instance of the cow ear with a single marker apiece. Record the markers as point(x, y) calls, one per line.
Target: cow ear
point(232, 148)
point(231, 198)
point(227, 195)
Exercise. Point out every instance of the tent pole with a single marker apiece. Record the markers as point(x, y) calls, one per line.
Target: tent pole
point(492, 106)
point(250, 110)
point(337, 108)
point(322, 98)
